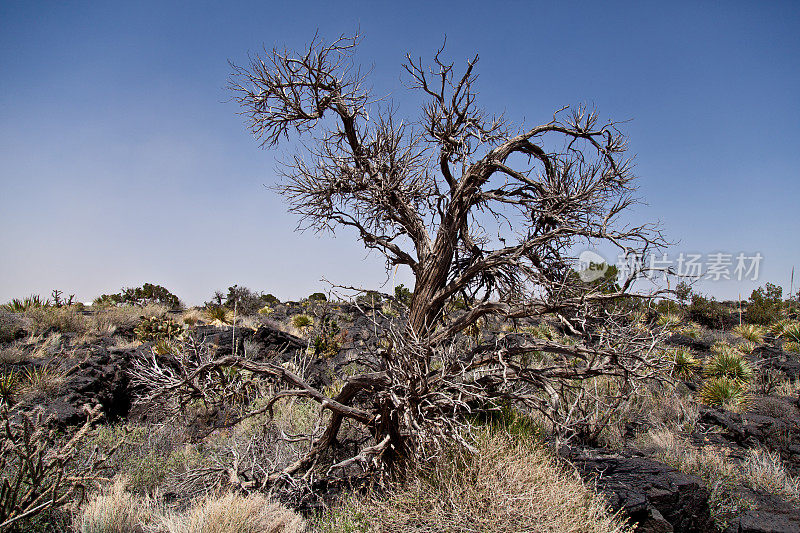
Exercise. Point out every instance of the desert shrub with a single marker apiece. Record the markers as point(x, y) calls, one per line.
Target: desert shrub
point(509, 485)
point(329, 339)
point(707, 312)
point(44, 379)
point(266, 311)
point(141, 296)
point(12, 326)
point(270, 299)
point(750, 332)
point(232, 513)
point(318, 297)
point(403, 294)
point(156, 328)
point(765, 304)
point(245, 301)
point(724, 392)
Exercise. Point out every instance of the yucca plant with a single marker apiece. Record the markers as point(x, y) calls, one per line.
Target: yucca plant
point(729, 364)
point(8, 387)
point(684, 364)
point(219, 314)
point(791, 332)
point(750, 332)
point(670, 321)
point(724, 392)
point(33, 301)
point(776, 328)
point(693, 330)
point(747, 347)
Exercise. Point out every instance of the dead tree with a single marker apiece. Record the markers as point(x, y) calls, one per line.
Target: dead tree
point(482, 213)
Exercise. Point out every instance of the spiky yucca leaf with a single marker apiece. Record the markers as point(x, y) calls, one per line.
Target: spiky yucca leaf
point(670, 321)
point(791, 332)
point(724, 392)
point(747, 347)
point(791, 346)
point(219, 314)
point(684, 364)
point(776, 328)
point(728, 363)
point(750, 332)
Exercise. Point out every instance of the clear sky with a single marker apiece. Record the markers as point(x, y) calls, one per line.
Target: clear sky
point(122, 160)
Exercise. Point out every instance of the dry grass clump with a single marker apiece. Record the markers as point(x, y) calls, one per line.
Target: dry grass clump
point(510, 485)
point(232, 513)
point(764, 470)
point(114, 511)
point(61, 319)
point(118, 511)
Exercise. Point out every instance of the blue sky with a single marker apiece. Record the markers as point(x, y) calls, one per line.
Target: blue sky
point(122, 160)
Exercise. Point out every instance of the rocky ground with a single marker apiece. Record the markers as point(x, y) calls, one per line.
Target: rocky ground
point(651, 484)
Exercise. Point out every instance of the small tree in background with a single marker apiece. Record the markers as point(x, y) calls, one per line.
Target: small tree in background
point(765, 305)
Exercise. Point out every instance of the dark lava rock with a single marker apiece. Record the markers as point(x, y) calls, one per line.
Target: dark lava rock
point(98, 377)
point(770, 515)
point(699, 345)
point(772, 357)
point(655, 497)
point(276, 340)
point(771, 422)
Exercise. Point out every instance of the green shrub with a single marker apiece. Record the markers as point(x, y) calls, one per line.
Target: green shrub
point(707, 312)
point(318, 297)
point(403, 295)
point(765, 304)
point(245, 301)
point(141, 296)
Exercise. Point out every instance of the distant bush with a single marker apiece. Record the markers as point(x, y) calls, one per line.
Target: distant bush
point(245, 301)
point(141, 296)
point(707, 312)
point(403, 295)
point(765, 304)
point(318, 297)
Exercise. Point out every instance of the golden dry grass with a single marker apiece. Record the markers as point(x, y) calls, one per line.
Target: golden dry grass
point(510, 485)
point(232, 513)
